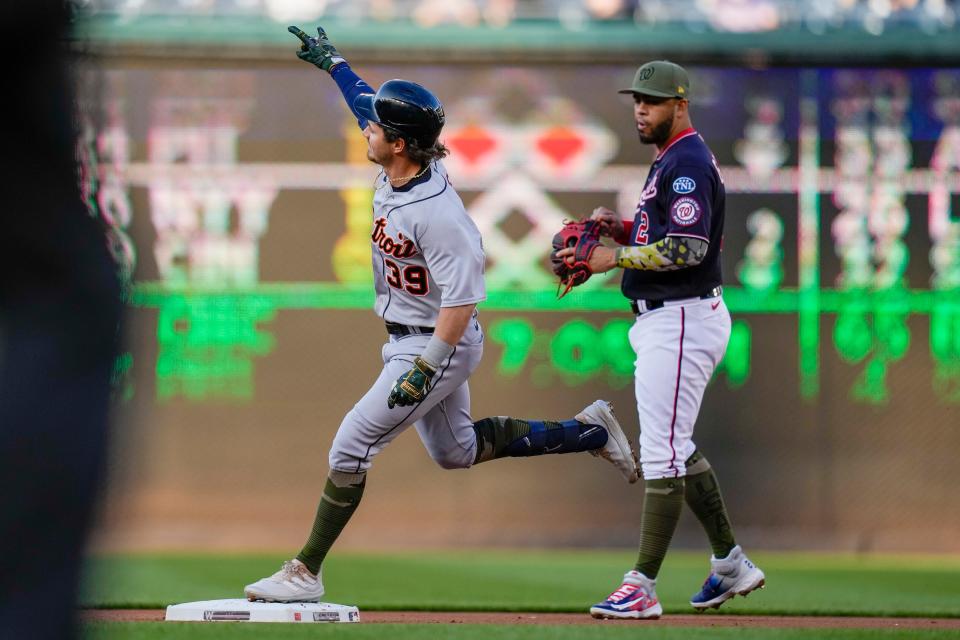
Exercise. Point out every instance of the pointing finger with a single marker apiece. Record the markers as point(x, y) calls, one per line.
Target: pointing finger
point(300, 33)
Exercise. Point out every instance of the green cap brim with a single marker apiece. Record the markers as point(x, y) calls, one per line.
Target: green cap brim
point(651, 92)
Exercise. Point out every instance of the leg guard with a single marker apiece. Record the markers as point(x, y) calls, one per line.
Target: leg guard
point(510, 437)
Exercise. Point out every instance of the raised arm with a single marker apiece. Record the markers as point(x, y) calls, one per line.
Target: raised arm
point(321, 53)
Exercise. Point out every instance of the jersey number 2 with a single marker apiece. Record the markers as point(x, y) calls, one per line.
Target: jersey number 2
point(412, 278)
point(642, 236)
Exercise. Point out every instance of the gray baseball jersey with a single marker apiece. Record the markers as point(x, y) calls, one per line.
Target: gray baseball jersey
point(427, 252)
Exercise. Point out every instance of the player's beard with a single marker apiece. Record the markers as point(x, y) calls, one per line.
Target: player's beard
point(659, 134)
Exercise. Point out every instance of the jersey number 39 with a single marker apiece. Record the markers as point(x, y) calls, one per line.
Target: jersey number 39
point(412, 278)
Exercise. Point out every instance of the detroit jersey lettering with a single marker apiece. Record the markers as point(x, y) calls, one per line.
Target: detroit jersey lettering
point(683, 196)
point(424, 257)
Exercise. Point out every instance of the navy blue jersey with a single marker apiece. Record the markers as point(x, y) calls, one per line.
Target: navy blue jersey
point(683, 196)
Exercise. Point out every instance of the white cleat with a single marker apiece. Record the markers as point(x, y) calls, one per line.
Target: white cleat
point(729, 577)
point(617, 449)
point(293, 583)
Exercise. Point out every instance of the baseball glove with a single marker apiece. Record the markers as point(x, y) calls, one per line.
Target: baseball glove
point(574, 270)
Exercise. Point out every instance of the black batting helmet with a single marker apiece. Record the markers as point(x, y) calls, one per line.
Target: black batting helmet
point(406, 108)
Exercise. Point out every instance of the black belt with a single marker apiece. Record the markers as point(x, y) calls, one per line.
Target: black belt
point(396, 329)
point(656, 304)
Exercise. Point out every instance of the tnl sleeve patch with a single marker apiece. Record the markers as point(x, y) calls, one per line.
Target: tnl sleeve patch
point(685, 211)
point(684, 185)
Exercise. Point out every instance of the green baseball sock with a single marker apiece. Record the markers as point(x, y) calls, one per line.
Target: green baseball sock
point(341, 495)
point(702, 494)
point(662, 503)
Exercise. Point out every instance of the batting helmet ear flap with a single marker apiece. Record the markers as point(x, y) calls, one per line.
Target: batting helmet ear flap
point(363, 105)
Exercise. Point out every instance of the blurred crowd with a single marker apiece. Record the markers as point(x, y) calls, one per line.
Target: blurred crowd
point(874, 16)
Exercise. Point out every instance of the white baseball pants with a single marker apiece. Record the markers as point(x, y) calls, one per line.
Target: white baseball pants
point(678, 347)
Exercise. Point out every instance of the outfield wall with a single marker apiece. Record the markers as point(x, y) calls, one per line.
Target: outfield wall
point(245, 192)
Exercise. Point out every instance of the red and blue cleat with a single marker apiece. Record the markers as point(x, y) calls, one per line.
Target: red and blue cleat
point(635, 599)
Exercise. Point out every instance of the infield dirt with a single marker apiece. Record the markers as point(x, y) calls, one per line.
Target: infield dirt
point(701, 620)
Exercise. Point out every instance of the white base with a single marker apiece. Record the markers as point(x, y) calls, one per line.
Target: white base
point(237, 610)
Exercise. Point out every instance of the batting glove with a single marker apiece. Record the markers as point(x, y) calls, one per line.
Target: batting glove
point(318, 51)
point(413, 386)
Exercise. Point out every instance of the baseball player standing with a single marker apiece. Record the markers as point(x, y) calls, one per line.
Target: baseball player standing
point(428, 267)
point(671, 262)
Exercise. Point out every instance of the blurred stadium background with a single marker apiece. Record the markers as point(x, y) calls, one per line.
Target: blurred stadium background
point(237, 191)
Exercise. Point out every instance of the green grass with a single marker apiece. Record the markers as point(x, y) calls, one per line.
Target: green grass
point(642, 630)
point(522, 580)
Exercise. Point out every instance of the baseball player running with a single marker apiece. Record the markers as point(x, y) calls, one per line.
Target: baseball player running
point(671, 262)
point(428, 266)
